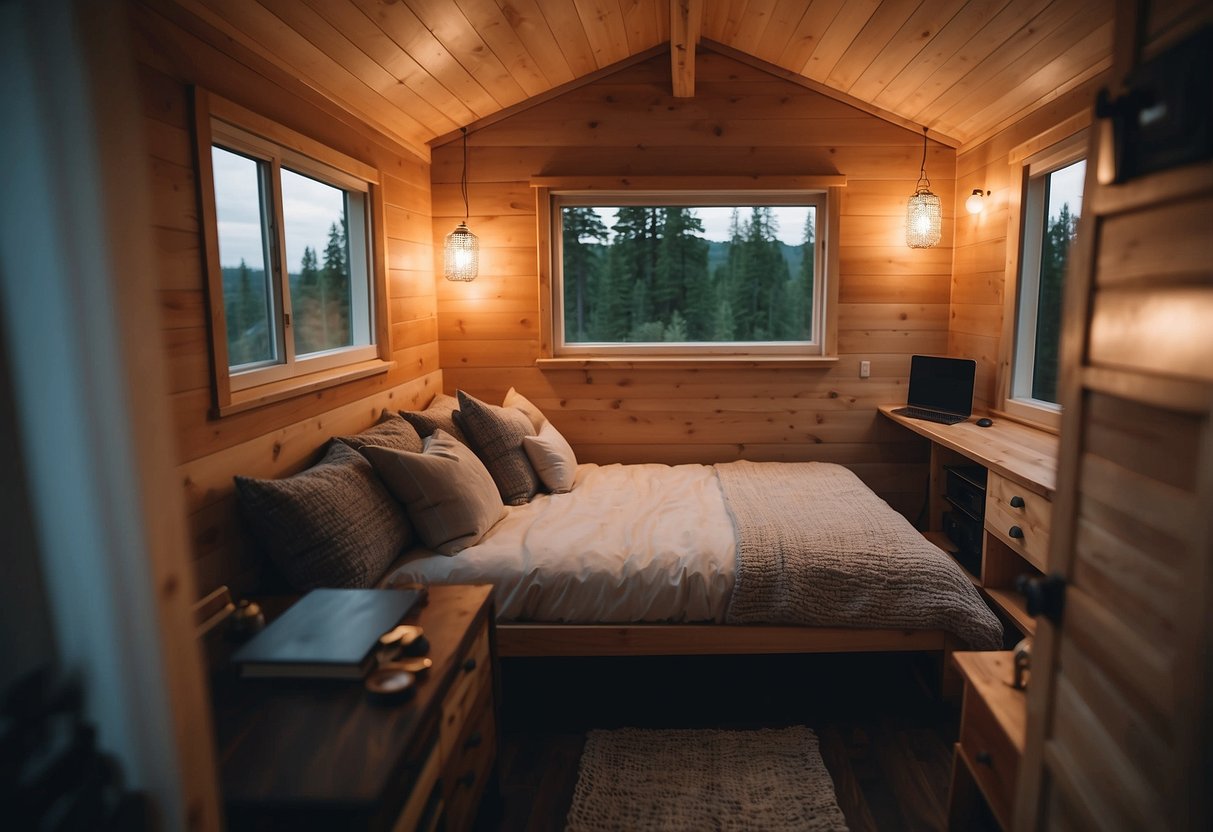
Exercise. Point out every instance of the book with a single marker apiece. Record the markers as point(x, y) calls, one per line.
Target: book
point(326, 634)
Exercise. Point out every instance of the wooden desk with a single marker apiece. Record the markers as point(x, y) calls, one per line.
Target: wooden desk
point(313, 754)
point(993, 726)
point(1021, 465)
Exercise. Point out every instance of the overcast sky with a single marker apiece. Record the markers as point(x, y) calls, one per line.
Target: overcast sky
point(1065, 186)
point(311, 207)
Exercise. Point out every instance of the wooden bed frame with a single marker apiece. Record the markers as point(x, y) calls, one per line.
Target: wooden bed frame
point(569, 640)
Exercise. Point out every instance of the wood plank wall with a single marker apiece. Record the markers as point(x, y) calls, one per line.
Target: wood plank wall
point(985, 242)
point(893, 300)
point(281, 438)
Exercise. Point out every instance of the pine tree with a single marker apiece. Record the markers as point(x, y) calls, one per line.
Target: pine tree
point(335, 289)
point(583, 228)
point(1054, 258)
point(246, 341)
point(681, 281)
point(309, 336)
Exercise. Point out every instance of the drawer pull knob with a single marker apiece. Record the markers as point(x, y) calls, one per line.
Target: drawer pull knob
point(984, 758)
point(473, 741)
point(1015, 532)
point(467, 778)
point(1017, 501)
point(469, 665)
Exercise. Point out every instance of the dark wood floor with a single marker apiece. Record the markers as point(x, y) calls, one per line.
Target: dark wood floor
point(886, 739)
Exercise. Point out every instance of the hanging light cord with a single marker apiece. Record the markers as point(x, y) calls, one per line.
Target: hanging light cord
point(463, 180)
point(922, 169)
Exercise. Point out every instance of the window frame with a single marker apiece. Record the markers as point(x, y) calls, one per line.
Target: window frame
point(822, 192)
point(238, 130)
point(1025, 223)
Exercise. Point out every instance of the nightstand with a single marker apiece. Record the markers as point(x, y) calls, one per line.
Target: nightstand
point(320, 754)
point(993, 720)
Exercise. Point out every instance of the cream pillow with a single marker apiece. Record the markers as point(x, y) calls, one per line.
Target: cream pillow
point(552, 457)
point(450, 497)
point(518, 401)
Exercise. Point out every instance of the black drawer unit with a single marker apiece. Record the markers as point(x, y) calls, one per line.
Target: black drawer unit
point(966, 489)
point(965, 532)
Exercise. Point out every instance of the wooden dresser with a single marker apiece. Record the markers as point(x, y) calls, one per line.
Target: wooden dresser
point(1021, 472)
point(320, 754)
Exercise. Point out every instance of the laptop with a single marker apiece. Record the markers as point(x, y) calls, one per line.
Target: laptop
point(941, 389)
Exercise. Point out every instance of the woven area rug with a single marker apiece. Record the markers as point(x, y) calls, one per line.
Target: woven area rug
point(770, 780)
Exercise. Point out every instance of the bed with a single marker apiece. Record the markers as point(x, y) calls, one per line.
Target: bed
point(736, 557)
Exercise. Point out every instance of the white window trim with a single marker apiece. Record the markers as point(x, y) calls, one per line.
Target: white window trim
point(825, 193)
point(218, 121)
point(1023, 280)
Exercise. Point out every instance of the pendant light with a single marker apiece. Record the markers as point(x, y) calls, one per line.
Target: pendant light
point(924, 217)
point(461, 254)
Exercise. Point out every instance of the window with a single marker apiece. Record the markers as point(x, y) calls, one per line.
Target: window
point(680, 273)
point(1052, 203)
point(291, 261)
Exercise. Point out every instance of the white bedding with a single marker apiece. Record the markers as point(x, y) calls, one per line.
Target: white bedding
point(629, 543)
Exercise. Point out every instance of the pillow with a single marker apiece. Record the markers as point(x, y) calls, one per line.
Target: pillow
point(518, 401)
point(436, 416)
point(495, 434)
point(552, 457)
point(333, 525)
point(450, 497)
point(391, 432)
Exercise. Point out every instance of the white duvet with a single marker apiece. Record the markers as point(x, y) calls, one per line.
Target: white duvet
point(629, 543)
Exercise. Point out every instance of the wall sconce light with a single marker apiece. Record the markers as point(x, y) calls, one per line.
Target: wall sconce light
point(924, 216)
point(976, 201)
point(461, 253)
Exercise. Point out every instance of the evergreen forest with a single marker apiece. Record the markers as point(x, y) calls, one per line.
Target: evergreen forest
point(320, 304)
point(652, 277)
point(1054, 257)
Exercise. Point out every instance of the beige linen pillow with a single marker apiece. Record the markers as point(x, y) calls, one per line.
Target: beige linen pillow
point(518, 401)
point(553, 458)
point(451, 499)
point(391, 432)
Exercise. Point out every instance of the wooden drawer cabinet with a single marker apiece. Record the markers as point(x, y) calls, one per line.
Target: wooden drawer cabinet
point(992, 729)
point(303, 754)
point(1019, 518)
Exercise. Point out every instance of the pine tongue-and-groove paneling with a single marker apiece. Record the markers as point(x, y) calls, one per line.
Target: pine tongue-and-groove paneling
point(986, 241)
point(893, 301)
point(281, 438)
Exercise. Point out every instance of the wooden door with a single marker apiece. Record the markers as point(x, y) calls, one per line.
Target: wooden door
point(1119, 705)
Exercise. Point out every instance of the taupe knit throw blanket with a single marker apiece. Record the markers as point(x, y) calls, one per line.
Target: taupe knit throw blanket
point(815, 546)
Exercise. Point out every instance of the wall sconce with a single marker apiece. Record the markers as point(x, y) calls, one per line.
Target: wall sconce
point(924, 217)
point(461, 252)
point(976, 201)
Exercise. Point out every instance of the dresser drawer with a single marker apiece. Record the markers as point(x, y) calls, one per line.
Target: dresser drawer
point(468, 770)
point(990, 755)
point(474, 677)
point(1019, 518)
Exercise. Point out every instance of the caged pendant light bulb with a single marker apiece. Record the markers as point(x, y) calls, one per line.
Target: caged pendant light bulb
point(461, 253)
point(924, 216)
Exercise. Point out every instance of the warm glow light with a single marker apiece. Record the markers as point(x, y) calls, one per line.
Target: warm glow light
point(975, 202)
point(461, 255)
point(924, 220)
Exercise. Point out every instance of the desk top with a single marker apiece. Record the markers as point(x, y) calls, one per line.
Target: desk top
point(1017, 452)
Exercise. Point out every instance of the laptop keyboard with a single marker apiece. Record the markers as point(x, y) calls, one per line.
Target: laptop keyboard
point(930, 415)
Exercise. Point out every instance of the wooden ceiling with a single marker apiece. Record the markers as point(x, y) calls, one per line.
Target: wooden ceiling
point(419, 69)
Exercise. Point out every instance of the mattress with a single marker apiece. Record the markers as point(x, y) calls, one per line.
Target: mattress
point(629, 543)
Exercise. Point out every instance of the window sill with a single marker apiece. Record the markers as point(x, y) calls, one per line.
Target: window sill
point(278, 391)
point(675, 362)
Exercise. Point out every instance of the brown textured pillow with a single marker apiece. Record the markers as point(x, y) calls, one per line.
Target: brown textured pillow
point(451, 499)
point(437, 416)
point(333, 525)
point(495, 434)
point(391, 432)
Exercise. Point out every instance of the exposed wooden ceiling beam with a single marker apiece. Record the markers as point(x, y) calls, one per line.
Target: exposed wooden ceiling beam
point(686, 20)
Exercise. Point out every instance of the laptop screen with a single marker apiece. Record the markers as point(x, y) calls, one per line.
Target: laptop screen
point(942, 384)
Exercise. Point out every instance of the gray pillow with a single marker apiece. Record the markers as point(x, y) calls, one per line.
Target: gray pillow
point(437, 416)
point(333, 525)
point(391, 432)
point(496, 434)
point(451, 499)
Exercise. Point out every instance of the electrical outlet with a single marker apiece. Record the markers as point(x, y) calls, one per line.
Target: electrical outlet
point(865, 369)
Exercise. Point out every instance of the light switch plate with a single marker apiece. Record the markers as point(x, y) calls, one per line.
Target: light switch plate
point(865, 369)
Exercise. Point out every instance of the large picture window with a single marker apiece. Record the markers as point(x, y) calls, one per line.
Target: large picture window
point(1051, 206)
point(676, 273)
